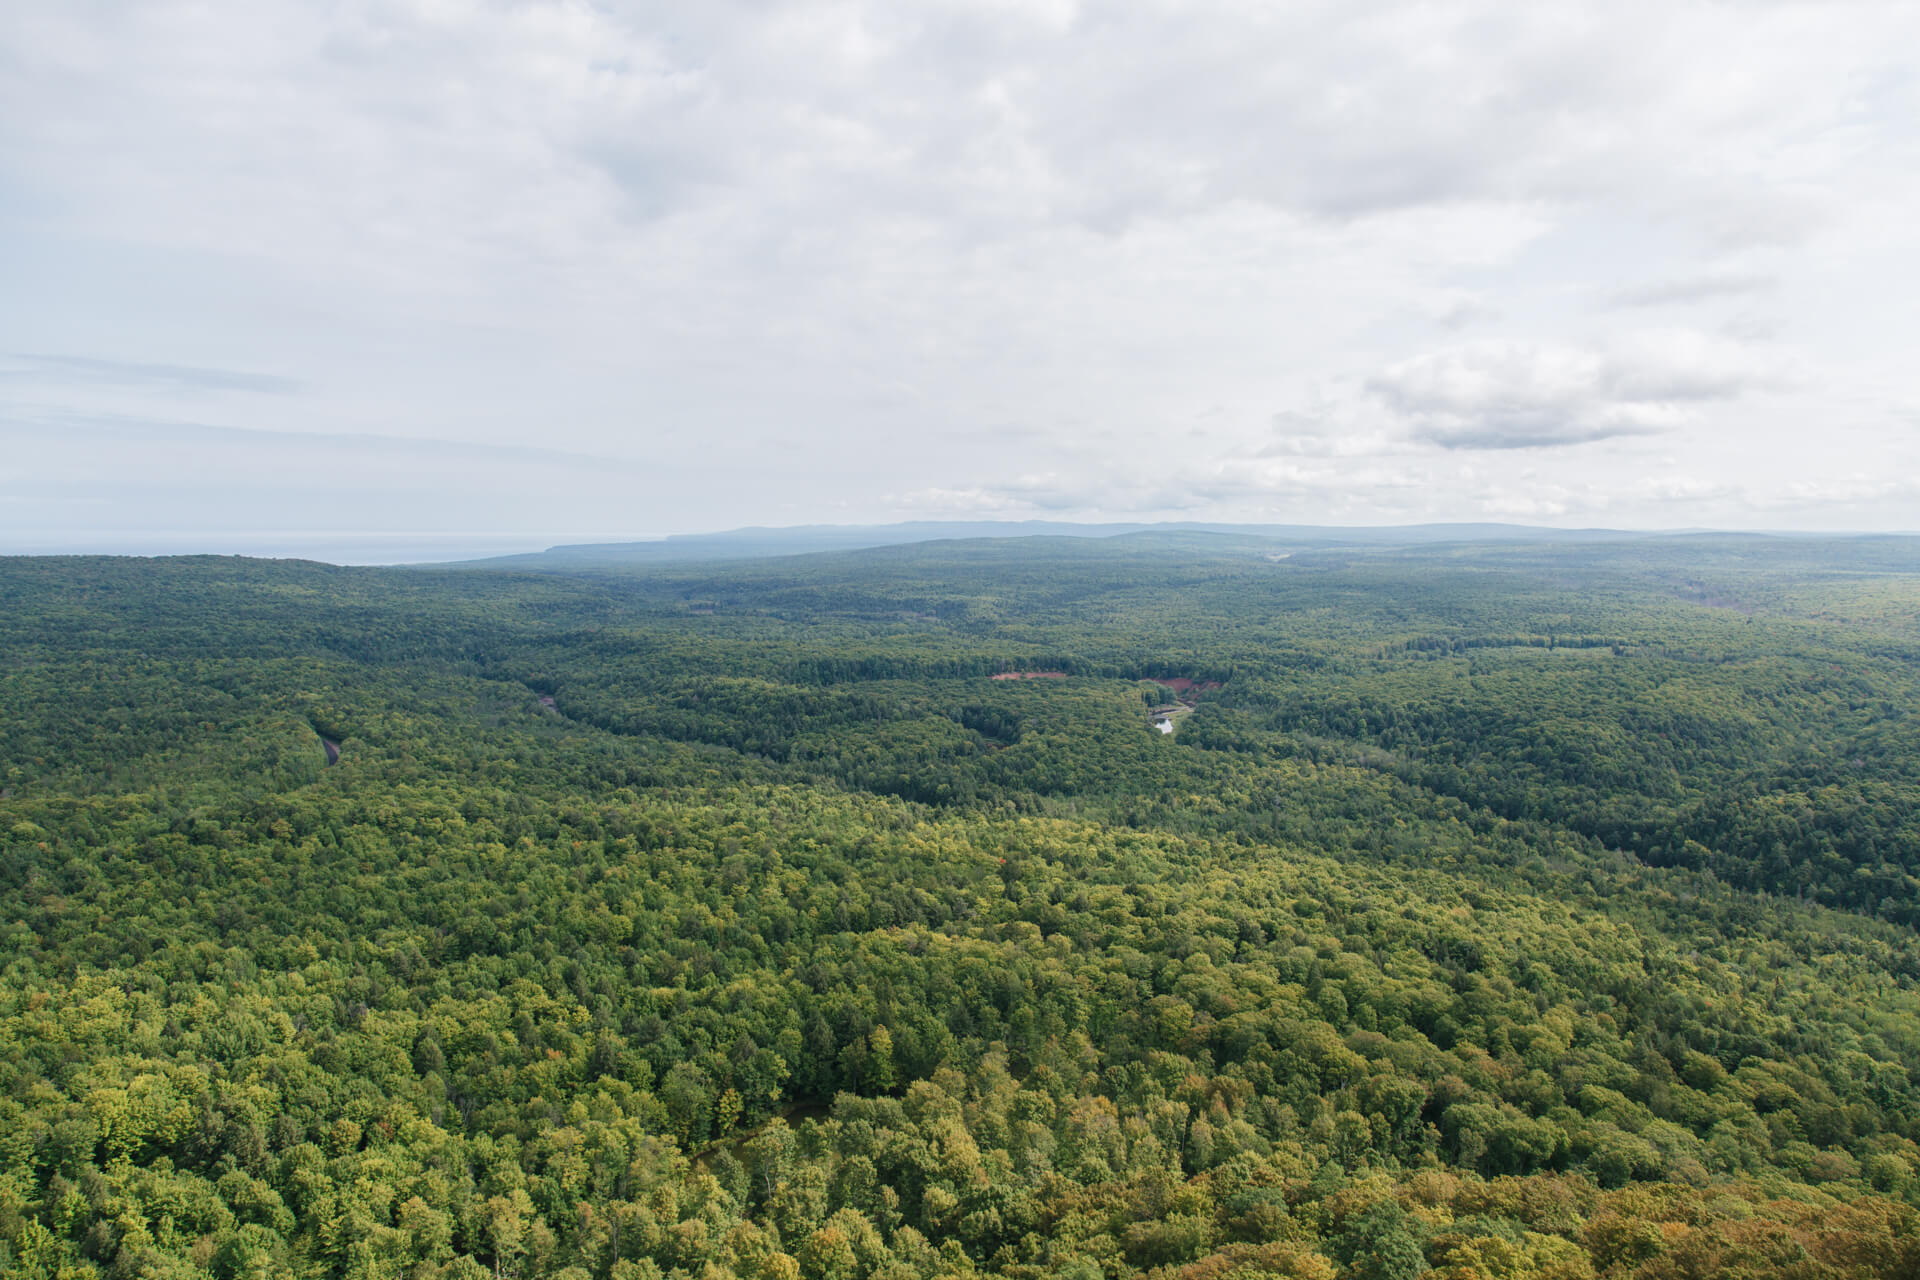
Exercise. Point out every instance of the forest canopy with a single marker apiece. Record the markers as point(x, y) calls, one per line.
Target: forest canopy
point(1500, 911)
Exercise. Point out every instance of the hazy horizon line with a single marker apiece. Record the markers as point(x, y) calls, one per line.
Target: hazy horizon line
point(404, 547)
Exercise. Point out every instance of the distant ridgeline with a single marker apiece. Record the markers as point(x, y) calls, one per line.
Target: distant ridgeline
point(748, 544)
point(1498, 908)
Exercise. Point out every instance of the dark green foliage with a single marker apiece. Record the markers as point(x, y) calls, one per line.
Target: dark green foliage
point(1381, 1243)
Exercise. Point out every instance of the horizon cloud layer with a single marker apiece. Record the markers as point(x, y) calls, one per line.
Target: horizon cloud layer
point(515, 269)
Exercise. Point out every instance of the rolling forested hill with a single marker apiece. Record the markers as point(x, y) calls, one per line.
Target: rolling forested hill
point(1507, 910)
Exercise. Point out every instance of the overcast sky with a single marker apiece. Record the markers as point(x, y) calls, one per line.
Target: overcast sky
point(343, 276)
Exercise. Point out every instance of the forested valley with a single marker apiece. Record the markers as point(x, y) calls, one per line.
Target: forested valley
point(1486, 910)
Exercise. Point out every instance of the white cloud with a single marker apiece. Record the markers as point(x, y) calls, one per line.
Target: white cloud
point(1847, 488)
point(57, 370)
point(1683, 489)
point(1684, 290)
point(1521, 395)
point(675, 235)
point(1307, 435)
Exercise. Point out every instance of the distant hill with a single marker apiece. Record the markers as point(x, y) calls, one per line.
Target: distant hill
point(758, 542)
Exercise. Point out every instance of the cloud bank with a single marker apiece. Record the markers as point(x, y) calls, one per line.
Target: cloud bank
point(845, 260)
point(1518, 395)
